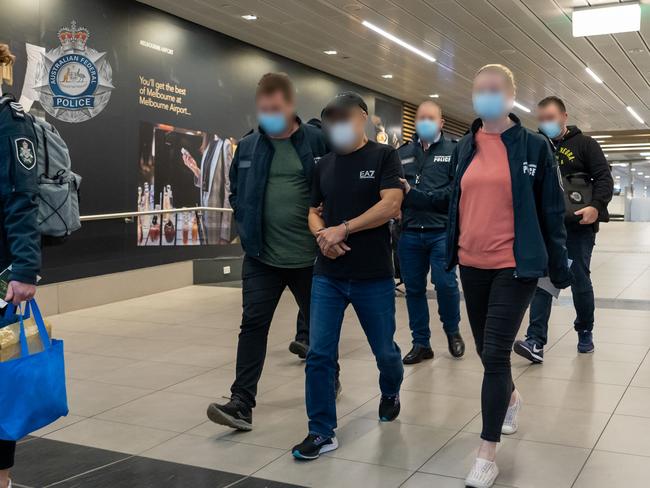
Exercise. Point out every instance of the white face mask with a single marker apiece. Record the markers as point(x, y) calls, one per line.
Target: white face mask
point(342, 136)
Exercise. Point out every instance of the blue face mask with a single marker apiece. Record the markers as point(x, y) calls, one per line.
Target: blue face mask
point(427, 129)
point(551, 128)
point(342, 136)
point(490, 105)
point(273, 123)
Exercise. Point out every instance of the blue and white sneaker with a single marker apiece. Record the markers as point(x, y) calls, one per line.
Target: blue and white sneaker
point(313, 446)
point(530, 350)
point(585, 342)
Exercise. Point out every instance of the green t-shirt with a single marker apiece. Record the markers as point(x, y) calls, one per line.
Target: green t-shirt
point(288, 243)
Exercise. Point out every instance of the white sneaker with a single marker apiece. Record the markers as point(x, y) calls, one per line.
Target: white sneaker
point(483, 474)
point(510, 424)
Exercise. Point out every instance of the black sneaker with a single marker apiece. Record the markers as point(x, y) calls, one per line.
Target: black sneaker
point(530, 350)
point(389, 408)
point(313, 446)
point(456, 345)
point(299, 348)
point(418, 354)
point(235, 414)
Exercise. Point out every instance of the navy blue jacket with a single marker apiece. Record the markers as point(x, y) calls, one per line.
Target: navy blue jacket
point(249, 174)
point(538, 200)
point(430, 174)
point(20, 238)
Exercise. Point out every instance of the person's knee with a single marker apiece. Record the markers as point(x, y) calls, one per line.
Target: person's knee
point(495, 359)
point(387, 355)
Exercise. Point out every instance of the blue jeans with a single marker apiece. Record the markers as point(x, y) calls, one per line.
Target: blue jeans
point(374, 304)
point(580, 244)
point(418, 252)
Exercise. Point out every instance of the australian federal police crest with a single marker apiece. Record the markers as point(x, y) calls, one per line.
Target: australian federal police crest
point(75, 81)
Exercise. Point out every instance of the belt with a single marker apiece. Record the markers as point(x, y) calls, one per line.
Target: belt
point(422, 229)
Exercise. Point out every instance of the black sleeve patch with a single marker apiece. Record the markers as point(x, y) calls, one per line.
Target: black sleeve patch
point(25, 152)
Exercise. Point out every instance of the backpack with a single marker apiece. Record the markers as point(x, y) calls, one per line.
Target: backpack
point(58, 209)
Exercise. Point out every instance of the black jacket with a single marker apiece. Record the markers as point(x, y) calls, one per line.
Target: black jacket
point(20, 238)
point(579, 153)
point(538, 201)
point(249, 174)
point(430, 174)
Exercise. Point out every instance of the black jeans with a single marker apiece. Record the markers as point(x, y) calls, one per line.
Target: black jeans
point(580, 245)
point(262, 288)
point(7, 448)
point(7, 451)
point(496, 302)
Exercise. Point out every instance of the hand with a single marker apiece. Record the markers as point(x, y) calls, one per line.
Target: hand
point(18, 292)
point(589, 215)
point(336, 251)
point(405, 185)
point(191, 163)
point(330, 236)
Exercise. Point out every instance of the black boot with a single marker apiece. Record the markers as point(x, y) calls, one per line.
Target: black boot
point(417, 354)
point(299, 348)
point(456, 345)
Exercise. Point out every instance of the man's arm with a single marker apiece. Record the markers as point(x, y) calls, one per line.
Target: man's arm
point(20, 227)
point(387, 208)
point(232, 177)
point(603, 183)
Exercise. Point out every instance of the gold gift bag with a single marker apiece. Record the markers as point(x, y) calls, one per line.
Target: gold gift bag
point(10, 339)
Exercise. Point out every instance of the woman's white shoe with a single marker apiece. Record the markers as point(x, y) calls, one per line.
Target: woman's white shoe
point(511, 424)
point(483, 474)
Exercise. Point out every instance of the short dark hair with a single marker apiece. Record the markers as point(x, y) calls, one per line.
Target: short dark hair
point(557, 101)
point(276, 82)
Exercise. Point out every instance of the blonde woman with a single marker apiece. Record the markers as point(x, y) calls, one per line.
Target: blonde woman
point(506, 230)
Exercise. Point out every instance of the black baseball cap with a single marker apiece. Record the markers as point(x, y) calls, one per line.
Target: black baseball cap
point(343, 102)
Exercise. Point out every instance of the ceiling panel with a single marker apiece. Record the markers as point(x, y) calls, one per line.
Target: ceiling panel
point(533, 37)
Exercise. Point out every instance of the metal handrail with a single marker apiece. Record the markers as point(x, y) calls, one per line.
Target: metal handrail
point(130, 215)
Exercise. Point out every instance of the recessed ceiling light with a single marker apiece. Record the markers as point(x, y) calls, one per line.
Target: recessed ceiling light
point(640, 173)
point(609, 19)
point(521, 107)
point(634, 169)
point(606, 155)
point(593, 75)
point(249, 17)
point(635, 115)
point(399, 41)
point(602, 137)
point(387, 76)
point(331, 52)
point(434, 95)
point(629, 146)
point(647, 176)
point(645, 154)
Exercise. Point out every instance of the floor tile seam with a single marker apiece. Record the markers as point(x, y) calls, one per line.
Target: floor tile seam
point(608, 421)
point(149, 393)
point(98, 468)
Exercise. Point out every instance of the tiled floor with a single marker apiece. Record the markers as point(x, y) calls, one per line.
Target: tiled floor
point(142, 372)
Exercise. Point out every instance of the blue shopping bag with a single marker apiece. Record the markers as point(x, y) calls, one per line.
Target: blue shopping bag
point(32, 386)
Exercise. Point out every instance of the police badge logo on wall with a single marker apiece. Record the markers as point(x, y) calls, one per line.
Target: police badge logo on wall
point(74, 80)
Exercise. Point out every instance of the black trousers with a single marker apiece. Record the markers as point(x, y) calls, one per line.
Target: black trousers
point(7, 448)
point(262, 287)
point(7, 451)
point(496, 302)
